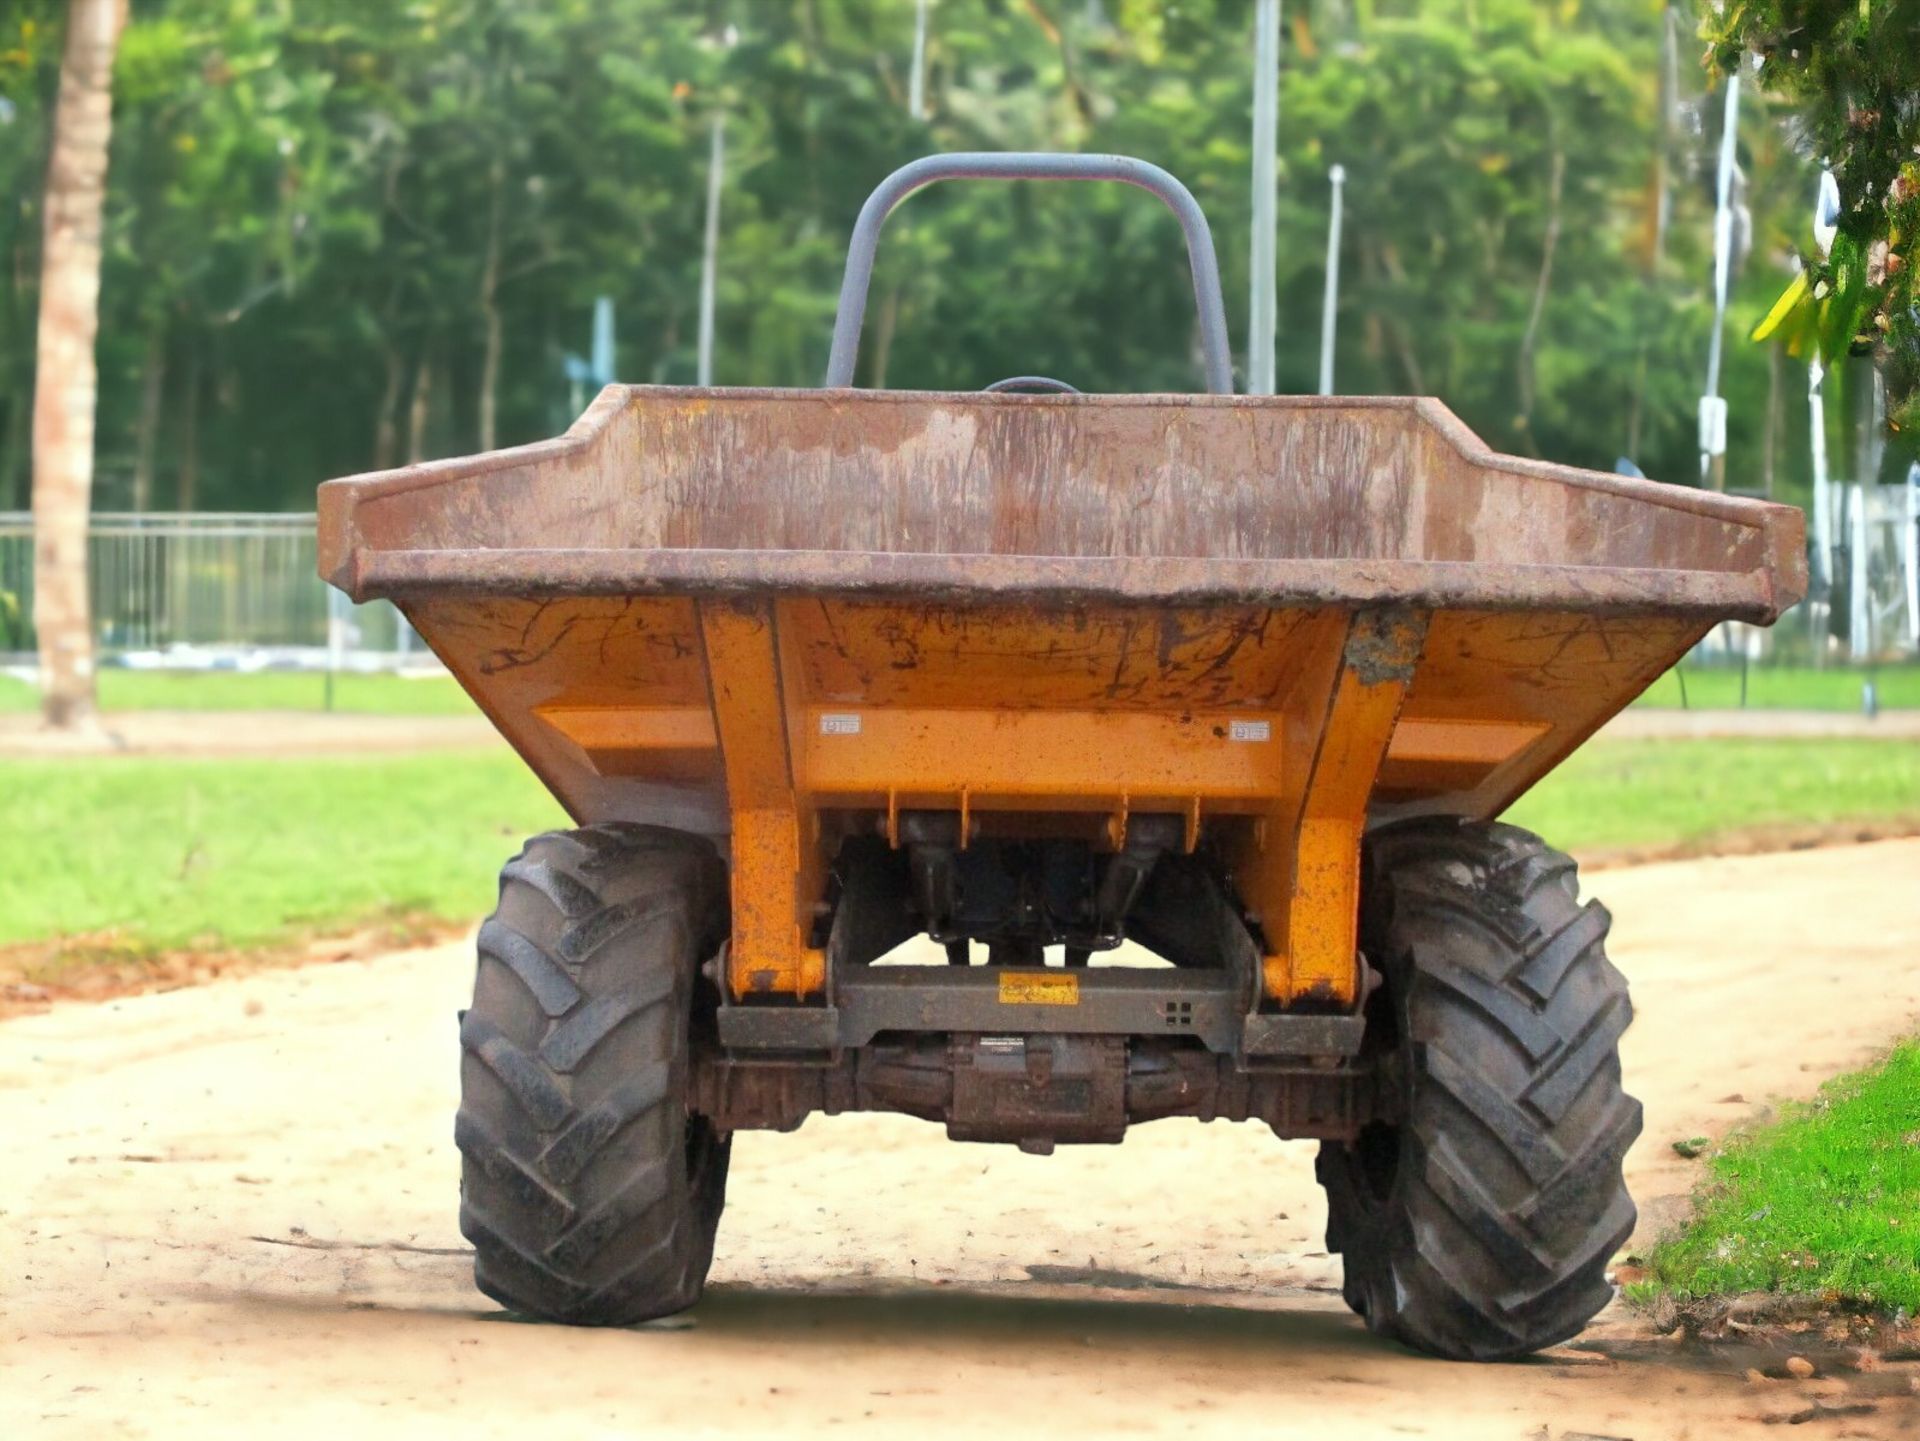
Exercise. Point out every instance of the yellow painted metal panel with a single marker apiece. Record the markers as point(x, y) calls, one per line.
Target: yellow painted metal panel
point(778, 870)
point(879, 654)
point(847, 755)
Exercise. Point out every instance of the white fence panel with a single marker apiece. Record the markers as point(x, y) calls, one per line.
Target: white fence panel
point(207, 590)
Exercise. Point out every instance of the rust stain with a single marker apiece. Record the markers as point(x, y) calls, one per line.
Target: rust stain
point(1383, 648)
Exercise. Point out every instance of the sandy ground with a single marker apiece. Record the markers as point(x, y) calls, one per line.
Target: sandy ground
point(229, 1211)
point(247, 733)
point(1646, 723)
point(243, 733)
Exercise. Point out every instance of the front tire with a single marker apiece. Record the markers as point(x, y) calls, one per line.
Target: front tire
point(590, 1193)
point(1477, 1220)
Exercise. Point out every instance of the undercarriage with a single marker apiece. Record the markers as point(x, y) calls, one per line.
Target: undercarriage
point(1035, 990)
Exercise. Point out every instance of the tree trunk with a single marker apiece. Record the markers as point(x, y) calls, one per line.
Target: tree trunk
point(1637, 401)
point(490, 311)
point(883, 338)
point(1379, 260)
point(386, 426)
point(153, 376)
point(1549, 242)
point(66, 385)
point(187, 480)
point(13, 450)
point(420, 412)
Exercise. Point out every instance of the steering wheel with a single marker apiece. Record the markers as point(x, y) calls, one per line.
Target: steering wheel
point(1031, 385)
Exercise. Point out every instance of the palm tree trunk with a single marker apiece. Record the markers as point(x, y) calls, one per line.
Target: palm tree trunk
point(66, 385)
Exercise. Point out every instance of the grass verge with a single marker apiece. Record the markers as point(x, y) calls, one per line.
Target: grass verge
point(1836, 688)
point(1824, 1202)
point(1616, 795)
point(114, 861)
point(130, 690)
point(118, 854)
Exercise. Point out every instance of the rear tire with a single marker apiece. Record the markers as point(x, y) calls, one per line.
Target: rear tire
point(1477, 1221)
point(589, 1191)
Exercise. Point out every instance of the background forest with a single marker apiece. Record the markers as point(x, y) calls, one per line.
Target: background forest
point(342, 234)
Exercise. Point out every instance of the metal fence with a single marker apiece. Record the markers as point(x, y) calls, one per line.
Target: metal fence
point(207, 589)
point(234, 589)
point(1874, 569)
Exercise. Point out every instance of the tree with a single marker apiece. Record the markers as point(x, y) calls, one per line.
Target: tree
point(340, 234)
point(1853, 68)
point(29, 75)
point(65, 377)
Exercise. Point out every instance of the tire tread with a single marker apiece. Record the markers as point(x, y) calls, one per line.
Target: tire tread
point(1509, 1201)
point(577, 1189)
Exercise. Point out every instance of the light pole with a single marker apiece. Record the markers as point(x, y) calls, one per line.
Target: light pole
point(1826, 214)
point(1713, 409)
point(710, 248)
point(724, 41)
point(917, 81)
point(1266, 130)
point(1337, 178)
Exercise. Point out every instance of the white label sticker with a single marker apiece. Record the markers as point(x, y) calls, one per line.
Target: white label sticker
point(1250, 730)
point(839, 725)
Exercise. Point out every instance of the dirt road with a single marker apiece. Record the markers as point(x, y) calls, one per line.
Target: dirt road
point(230, 1212)
point(222, 734)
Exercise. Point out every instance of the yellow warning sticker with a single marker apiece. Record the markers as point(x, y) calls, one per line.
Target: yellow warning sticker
point(1039, 988)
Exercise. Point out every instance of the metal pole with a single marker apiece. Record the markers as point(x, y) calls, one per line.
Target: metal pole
point(1266, 131)
point(917, 81)
point(1819, 600)
point(1860, 616)
point(1822, 486)
point(710, 251)
point(600, 360)
point(1873, 432)
point(1331, 297)
point(336, 641)
point(1713, 410)
point(1910, 548)
point(1826, 211)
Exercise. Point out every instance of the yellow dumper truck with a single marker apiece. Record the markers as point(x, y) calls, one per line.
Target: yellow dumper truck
point(1180, 725)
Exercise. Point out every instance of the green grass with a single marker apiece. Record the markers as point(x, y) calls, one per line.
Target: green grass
point(1825, 1201)
point(127, 690)
point(1659, 792)
point(1717, 687)
point(171, 853)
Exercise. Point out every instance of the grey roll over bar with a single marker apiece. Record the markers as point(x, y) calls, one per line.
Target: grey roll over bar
point(990, 165)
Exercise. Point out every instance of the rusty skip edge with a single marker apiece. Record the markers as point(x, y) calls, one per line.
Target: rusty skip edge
point(580, 437)
point(1759, 595)
point(364, 572)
